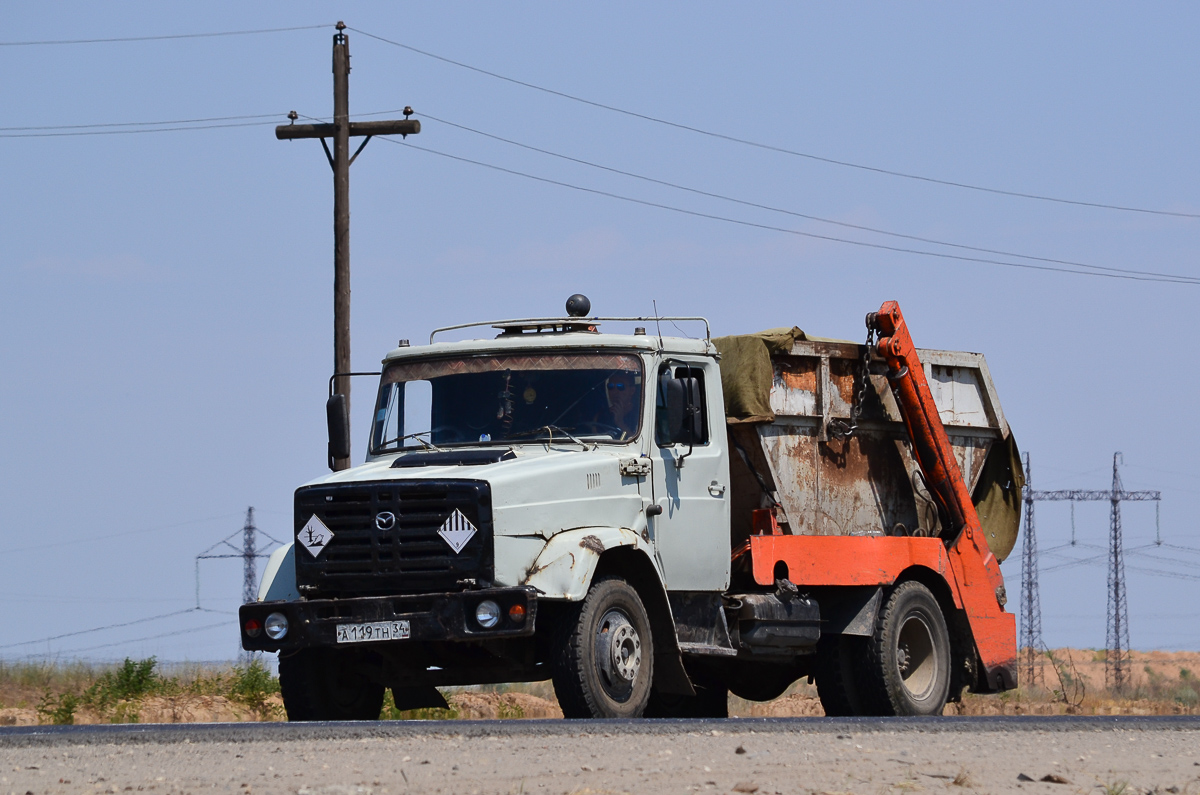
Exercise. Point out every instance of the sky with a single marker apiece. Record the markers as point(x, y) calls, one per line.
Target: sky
point(166, 301)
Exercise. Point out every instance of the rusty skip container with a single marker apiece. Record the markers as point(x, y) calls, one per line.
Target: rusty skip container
point(790, 401)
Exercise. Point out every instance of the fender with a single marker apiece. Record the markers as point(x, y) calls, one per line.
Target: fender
point(279, 577)
point(564, 568)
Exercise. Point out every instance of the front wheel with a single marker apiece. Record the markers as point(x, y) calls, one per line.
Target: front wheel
point(604, 656)
point(319, 684)
point(907, 666)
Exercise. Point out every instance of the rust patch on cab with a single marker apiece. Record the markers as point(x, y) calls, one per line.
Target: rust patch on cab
point(592, 543)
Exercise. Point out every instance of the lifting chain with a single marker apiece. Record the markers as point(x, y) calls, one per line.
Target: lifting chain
point(840, 429)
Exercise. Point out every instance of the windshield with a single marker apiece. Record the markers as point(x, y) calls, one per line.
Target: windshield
point(508, 398)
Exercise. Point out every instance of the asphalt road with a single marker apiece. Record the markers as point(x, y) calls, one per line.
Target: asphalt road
point(792, 755)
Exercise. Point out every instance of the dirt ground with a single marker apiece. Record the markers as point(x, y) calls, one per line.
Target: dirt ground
point(1035, 762)
point(217, 709)
point(1163, 683)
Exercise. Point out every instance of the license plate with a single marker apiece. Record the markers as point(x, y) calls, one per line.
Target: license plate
point(376, 630)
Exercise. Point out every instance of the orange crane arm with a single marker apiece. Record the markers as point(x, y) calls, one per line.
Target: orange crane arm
point(980, 583)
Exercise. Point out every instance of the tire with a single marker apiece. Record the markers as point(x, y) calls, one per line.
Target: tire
point(906, 669)
point(318, 684)
point(837, 675)
point(709, 702)
point(603, 662)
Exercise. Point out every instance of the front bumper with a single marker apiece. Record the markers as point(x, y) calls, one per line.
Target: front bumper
point(431, 617)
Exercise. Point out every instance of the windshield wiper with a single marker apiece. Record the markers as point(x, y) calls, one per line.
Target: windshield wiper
point(417, 436)
point(550, 429)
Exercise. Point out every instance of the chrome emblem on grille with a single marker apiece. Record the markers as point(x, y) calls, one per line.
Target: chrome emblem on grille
point(385, 520)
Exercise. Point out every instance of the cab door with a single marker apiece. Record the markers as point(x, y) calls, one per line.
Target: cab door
point(691, 478)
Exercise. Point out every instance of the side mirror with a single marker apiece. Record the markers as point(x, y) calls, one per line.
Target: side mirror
point(683, 411)
point(338, 421)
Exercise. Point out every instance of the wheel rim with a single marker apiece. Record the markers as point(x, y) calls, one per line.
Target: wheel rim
point(916, 657)
point(618, 651)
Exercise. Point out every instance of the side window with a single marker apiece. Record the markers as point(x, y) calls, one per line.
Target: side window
point(689, 386)
point(389, 419)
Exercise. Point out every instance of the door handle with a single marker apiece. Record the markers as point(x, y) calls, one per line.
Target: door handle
point(716, 489)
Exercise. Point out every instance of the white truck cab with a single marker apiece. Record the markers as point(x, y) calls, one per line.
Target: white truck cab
point(507, 467)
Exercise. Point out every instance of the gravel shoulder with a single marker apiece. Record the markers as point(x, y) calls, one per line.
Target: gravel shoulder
point(1142, 755)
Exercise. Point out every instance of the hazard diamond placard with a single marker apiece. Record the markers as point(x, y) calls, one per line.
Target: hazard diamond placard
point(457, 531)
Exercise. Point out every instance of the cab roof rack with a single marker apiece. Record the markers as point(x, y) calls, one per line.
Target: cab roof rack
point(562, 325)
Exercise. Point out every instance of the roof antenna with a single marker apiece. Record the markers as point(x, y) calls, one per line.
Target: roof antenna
point(657, 325)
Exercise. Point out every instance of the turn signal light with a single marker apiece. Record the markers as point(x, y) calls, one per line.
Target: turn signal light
point(517, 613)
point(253, 627)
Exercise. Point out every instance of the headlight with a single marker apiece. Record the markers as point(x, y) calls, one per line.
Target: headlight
point(276, 626)
point(487, 614)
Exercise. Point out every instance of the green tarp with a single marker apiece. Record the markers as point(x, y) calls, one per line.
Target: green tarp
point(997, 496)
point(746, 372)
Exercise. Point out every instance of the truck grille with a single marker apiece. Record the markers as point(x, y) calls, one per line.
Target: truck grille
point(408, 558)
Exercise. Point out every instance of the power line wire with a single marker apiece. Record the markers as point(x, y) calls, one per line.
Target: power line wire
point(273, 538)
point(772, 148)
point(135, 132)
point(1169, 561)
point(101, 629)
point(224, 541)
point(95, 601)
point(191, 631)
point(140, 123)
point(1137, 552)
point(73, 542)
point(90, 129)
point(600, 105)
point(1080, 562)
point(1147, 277)
point(793, 213)
point(1161, 573)
point(125, 39)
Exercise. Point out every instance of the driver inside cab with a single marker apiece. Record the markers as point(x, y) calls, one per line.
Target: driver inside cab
point(623, 392)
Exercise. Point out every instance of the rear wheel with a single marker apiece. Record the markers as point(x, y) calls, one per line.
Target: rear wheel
point(907, 665)
point(319, 684)
point(604, 656)
point(836, 674)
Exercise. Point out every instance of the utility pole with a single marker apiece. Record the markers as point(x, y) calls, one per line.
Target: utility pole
point(341, 131)
point(1031, 602)
point(1116, 655)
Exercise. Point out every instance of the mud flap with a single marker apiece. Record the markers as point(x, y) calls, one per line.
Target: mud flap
point(849, 611)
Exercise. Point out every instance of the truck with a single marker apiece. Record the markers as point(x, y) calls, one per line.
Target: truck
point(654, 522)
